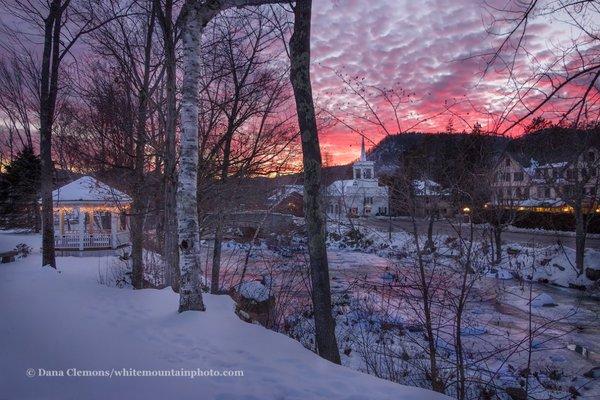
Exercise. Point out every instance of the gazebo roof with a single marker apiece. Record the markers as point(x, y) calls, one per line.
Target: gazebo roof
point(86, 190)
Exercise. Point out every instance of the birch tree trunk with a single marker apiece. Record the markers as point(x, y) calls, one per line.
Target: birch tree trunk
point(196, 16)
point(313, 205)
point(187, 212)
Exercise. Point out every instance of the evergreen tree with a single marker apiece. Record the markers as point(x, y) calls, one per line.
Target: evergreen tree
point(20, 192)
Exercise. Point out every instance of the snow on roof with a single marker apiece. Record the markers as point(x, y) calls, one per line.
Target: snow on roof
point(340, 186)
point(351, 186)
point(88, 190)
point(284, 191)
point(427, 187)
point(540, 203)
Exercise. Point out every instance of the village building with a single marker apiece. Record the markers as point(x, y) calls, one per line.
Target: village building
point(360, 196)
point(287, 199)
point(528, 184)
point(431, 199)
point(90, 215)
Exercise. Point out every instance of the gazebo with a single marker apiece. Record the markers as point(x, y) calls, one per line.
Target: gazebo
point(90, 215)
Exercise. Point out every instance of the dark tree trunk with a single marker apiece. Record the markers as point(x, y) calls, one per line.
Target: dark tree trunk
point(430, 245)
point(48, 94)
point(436, 382)
point(497, 230)
point(216, 262)
point(140, 195)
point(313, 205)
point(580, 236)
point(138, 208)
point(171, 250)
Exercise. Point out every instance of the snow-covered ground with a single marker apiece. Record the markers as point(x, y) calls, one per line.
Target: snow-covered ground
point(66, 321)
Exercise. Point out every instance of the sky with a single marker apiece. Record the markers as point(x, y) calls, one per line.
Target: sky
point(424, 47)
point(426, 56)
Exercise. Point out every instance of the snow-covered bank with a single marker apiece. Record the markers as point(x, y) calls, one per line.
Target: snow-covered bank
point(66, 320)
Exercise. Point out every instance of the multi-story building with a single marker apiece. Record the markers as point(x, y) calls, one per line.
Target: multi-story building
point(526, 183)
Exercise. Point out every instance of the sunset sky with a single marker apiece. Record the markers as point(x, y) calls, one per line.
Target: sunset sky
point(433, 51)
point(423, 47)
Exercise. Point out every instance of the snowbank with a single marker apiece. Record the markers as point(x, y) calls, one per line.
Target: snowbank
point(553, 264)
point(60, 320)
point(9, 239)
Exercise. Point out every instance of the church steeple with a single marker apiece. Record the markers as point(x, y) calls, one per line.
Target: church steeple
point(363, 152)
point(364, 169)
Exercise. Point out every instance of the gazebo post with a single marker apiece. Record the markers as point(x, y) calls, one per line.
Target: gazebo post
point(113, 230)
point(91, 222)
point(81, 223)
point(61, 221)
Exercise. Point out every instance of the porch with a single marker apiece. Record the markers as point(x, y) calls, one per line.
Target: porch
point(81, 229)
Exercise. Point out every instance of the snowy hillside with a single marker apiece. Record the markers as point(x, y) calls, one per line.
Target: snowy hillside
point(66, 321)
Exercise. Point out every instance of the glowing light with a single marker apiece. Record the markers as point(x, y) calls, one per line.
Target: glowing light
point(466, 210)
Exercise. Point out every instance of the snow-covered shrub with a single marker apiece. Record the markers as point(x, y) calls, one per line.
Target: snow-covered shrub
point(23, 250)
point(116, 273)
point(154, 269)
point(352, 238)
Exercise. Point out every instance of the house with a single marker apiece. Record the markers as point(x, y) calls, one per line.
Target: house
point(288, 199)
point(430, 197)
point(550, 186)
point(360, 196)
point(90, 215)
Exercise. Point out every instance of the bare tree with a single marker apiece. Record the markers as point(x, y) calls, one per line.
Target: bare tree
point(564, 82)
point(313, 202)
point(61, 23)
point(194, 18)
point(17, 103)
point(129, 43)
point(248, 90)
point(169, 35)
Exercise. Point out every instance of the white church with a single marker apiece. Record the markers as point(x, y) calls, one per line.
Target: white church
point(361, 196)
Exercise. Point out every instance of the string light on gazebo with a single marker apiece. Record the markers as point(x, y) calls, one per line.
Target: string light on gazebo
point(83, 207)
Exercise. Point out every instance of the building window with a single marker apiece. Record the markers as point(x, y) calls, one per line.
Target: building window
point(368, 201)
point(507, 162)
point(357, 173)
point(518, 176)
point(367, 174)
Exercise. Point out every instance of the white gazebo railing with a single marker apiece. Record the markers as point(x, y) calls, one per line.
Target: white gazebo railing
point(88, 241)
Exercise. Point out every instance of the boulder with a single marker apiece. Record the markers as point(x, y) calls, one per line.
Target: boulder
point(592, 274)
point(254, 302)
point(593, 373)
point(516, 393)
point(543, 300)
